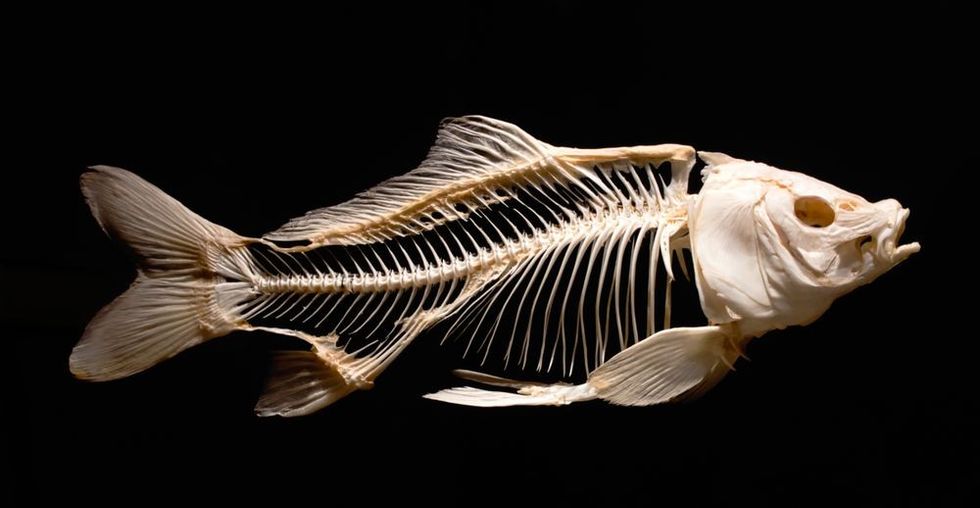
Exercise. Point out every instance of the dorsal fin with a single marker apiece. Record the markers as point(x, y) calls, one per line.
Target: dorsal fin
point(467, 150)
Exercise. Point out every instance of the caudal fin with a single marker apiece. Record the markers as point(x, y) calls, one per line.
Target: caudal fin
point(190, 287)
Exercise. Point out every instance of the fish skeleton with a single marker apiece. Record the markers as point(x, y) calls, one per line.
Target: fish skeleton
point(546, 255)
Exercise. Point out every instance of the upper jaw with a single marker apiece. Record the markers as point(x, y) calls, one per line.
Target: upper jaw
point(889, 249)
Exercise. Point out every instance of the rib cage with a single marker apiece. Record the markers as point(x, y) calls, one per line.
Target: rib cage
point(595, 233)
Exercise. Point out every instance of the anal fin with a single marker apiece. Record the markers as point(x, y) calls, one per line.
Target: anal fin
point(300, 383)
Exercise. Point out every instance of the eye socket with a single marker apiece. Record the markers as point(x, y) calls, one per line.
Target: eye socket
point(814, 212)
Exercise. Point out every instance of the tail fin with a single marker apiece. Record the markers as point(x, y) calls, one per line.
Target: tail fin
point(190, 286)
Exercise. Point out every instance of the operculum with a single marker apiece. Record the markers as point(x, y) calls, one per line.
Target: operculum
point(726, 252)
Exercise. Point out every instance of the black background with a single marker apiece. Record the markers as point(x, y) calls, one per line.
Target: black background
point(253, 118)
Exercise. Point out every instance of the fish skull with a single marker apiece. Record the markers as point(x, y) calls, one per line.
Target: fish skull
point(774, 248)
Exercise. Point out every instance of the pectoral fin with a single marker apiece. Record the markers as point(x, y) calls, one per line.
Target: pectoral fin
point(669, 365)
